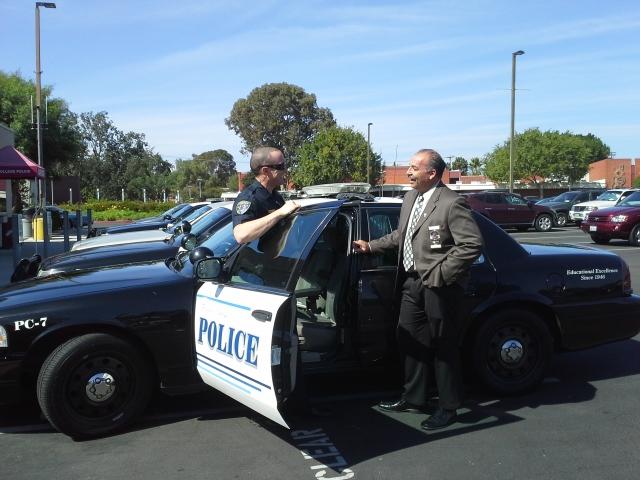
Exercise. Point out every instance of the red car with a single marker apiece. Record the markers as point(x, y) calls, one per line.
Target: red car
point(511, 210)
point(621, 221)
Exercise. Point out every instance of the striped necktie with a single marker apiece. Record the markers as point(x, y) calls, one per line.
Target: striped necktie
point(408, 248)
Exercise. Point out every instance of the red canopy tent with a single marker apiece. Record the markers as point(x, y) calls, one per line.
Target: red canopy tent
point(14, 164)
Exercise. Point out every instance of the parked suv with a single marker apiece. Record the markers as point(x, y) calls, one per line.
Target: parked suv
point(563, 203)
point(511, 210)
point(604, 200)
point(621, 221)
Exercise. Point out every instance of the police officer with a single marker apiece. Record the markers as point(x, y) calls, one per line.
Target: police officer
point(259, 207)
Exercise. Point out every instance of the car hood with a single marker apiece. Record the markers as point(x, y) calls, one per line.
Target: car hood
point(106, 252)
point(75, 285)
point(597, 203)
point(617, 210)
point(121, 238)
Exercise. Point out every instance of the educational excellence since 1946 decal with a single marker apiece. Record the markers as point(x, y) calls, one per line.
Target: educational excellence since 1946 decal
point(592, 273)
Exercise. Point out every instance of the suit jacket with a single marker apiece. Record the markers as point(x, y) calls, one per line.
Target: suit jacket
point(443, 254)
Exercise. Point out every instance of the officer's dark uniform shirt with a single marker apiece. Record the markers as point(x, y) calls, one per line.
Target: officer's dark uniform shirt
point(254, 202)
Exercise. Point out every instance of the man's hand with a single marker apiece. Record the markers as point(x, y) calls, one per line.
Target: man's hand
point(360, 246)
point(288, 208)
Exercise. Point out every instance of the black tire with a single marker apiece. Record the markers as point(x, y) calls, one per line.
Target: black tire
point(600, 240)
point(543, 222)
point(561, 219)
point(511, 351)
point(634, 236)
point(123, 377)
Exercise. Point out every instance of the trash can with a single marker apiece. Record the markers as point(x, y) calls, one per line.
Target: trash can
point(38, 227)
point(27, 228)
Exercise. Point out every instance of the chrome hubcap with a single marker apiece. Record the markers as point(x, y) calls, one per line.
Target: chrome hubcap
point(511, 352)
point(544, 223)
point(100, 387)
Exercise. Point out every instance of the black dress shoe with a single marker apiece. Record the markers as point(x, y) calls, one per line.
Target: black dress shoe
point(440, 419)
point(399, 406)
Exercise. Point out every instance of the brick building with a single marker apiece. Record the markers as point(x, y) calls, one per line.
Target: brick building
point(614, 172)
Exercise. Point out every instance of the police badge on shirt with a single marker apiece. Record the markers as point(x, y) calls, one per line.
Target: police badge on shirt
point(242, 206)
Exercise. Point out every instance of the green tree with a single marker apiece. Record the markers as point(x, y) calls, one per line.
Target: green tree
point(218, 164)
point(460, 163)
point(336, 154)
point(475, 164)
point(61, 140)
point(280, 115)
point(636, 182)
point(545, 155)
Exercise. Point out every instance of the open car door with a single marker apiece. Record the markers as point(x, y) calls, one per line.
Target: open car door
point(245, 336)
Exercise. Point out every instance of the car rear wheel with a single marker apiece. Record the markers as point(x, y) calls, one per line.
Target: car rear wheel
point(561, 219)
point(634, 236)
point(93, 385)
point(600, 240)
point(543, 223)
point(511, 351)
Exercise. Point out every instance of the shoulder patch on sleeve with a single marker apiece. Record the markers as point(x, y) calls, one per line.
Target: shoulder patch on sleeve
point(242, 206)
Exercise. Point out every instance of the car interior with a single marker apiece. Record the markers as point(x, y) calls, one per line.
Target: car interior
point(320, 291)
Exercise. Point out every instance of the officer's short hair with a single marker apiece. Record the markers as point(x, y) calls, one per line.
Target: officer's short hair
point(260, 158)
point(435, 160)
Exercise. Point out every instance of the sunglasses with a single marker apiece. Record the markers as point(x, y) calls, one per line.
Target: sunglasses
point(279, 166)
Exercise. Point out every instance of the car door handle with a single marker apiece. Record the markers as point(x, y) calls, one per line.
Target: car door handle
point(261, 315)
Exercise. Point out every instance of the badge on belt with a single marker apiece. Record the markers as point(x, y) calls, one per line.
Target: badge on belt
point(434, 236)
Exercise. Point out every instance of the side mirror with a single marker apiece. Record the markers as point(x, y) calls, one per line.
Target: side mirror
point(208, 269)
point(529, 203)
point(167, 217)
point(189, 241)
point(186, 227)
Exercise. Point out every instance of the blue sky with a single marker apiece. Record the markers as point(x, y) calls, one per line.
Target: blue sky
point(433, 74)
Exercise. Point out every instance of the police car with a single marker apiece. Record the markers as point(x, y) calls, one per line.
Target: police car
point(128, 250)
point(93, 345)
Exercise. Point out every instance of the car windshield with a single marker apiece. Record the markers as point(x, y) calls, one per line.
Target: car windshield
point(566, 197)
point(632, 200)
point(173, 210)
point(220, 242)
point(196, 213)
point(547, 200)
point(609, 196)
point(211, 218)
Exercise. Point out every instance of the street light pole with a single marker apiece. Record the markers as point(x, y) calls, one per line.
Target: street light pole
point(40, 185)
point(513, 116)
point(368, 150)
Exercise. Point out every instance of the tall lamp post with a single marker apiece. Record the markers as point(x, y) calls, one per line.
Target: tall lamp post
point(513, 116)
point(368, 150)
point(40, 185)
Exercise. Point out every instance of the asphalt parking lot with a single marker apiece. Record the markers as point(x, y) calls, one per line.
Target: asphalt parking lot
point(581, 423)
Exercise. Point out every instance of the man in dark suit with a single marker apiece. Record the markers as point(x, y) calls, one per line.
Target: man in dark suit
point(437, 240)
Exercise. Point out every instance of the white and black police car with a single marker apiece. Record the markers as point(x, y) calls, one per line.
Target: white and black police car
point(92, 346)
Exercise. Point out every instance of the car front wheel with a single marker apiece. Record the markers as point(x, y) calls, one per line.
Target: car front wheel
point(543, 223)
point(93, 385)
point(511, 351)
point(634, 236)
point(561, 219)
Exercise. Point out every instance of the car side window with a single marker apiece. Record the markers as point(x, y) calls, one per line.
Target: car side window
point(269, 260)
point(493, 198)
point(382, 222)
point(515, 200)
